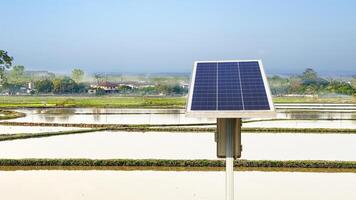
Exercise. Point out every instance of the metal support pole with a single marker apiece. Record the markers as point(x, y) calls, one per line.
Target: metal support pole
point(230, 125)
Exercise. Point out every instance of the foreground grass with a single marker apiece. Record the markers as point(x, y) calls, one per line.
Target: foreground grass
point(130, 102)
point(268, 165)
point(152, 168)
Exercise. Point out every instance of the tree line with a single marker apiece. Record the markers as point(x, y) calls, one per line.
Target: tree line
point(309, 82)
point(13, 78)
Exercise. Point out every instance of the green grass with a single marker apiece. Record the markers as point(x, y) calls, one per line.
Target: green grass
point(8, 114)
point(130, 102)
point(293, 164)
point(184, 128)
point(103, 101)
point(304, 119)
point(314, 100)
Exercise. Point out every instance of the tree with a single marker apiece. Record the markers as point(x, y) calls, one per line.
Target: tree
point(98, 78)
point(278, 85)
point(77, 75)
point(340, 87)
point(311, 89)
point(44, 86)
point(309, 76)
point(124, 88)
point(353, 82)
point(64, 85)
point(295, 86)
point(16, 75)
point(100, 92)
point(5, 63)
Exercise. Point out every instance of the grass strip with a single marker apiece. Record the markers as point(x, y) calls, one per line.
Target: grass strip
point(133, 168)
point(82, 125)
point(58, 101)
point(181, 163)
point(244, 130)
point(303, 119)
point(331, 100)
point(182, 128)
point(91, 101)
point(9, 114)
point(7, 137)
point(300, 130)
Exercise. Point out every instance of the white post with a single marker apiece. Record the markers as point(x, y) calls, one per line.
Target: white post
point(230, 124)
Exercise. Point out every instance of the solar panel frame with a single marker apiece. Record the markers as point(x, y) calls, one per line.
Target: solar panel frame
point(231, 113)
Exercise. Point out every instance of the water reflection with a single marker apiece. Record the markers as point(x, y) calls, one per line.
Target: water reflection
point(315, 115)
point(57, 111)
point(155, 116)
point(342, 124)
point(137, 185)
point(113, 118)
point(298, 115)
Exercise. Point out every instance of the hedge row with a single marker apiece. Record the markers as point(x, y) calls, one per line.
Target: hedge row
point(180, 163)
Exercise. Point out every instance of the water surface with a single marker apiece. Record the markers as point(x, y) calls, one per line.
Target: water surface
point(156, 116)
point(137, 185)
point(342, 124)
point(164, 145)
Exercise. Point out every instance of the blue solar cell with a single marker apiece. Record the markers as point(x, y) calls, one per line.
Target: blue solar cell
point(229, 88)
point(205, 87)
point(253, 89)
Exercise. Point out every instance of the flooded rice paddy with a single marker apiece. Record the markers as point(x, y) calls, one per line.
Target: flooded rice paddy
point(168, 145)
point(137, 185)
point(312, 119)
point(117, 184)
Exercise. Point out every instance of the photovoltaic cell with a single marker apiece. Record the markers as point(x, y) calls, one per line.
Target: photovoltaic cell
point(205, 87)
point(229, 86)
point(253, 89)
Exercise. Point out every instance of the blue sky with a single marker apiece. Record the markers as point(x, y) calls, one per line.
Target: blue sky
point(167, 36)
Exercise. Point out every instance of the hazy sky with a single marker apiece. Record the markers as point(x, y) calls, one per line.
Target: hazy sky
point(167, 36)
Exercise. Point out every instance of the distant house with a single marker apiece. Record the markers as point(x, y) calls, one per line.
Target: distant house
point(136, 84)
point(106, 86)
point(184, 85)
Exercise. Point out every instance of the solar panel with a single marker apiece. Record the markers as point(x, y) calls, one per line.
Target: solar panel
point(229, 89)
